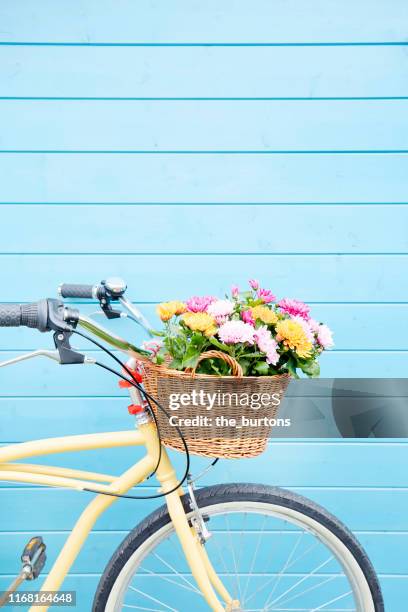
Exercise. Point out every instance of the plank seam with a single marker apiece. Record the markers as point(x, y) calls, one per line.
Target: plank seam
point(373, 43)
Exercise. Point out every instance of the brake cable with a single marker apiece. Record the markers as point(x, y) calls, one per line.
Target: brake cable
point(148, 398)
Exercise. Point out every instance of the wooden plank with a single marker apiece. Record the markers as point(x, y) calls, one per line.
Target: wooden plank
point(206, 126)
point(206, 229)
point(24, 509)
point(182, 21)
point(313, 278)
point(203, 72)
point(387, 551)
point(291, 125)
point(205, 178)
point(364, 463)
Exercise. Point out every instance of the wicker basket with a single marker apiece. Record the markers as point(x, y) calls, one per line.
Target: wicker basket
point(219, 439)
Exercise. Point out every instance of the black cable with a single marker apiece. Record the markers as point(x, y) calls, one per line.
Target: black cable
point(134, 383)
point(148, 397)
point(187, 470)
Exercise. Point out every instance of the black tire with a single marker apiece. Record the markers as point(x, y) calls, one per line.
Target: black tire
point(224, 493)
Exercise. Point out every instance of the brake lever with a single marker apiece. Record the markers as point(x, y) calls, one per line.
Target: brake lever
point(39, 353)
point(54, 355)
point(67, 355)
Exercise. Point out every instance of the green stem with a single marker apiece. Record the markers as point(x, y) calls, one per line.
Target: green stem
point(115, 341)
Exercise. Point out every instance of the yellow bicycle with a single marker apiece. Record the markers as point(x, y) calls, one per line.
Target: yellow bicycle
point(242, 547)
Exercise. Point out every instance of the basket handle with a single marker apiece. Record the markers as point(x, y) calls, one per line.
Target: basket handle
point(235, 367)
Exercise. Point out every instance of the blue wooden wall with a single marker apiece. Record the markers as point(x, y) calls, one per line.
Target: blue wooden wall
point(185, 145)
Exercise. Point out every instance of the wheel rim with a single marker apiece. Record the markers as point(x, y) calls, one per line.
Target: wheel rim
point(300, 567)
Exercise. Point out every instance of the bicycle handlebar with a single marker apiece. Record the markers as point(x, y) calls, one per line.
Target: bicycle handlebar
point(67, 290)
point(112, 288)
point(53, 315)
point(45, 315)
point(33, 315)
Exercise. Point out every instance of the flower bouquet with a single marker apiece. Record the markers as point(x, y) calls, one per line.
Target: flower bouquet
point(265, 336)
point(220, 362)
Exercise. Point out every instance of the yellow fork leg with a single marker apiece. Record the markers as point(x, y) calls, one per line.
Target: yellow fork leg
point(190, 544)
point(215, 579)
point(191, 548)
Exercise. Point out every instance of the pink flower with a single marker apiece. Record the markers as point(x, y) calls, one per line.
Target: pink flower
point(233, 332)
point(325, 337)
point(254, 284)
point(294, 308)
point(235, 291)
point(248, 318)
point(266, 296)
point(220, 310)
point(267, 344)
point(153, 346)
point(199, 304)
point(314, 325)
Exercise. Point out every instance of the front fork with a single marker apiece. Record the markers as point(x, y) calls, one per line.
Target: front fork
point(201, 567)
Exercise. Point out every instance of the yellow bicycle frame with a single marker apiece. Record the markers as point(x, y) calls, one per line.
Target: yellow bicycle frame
point(146, 434)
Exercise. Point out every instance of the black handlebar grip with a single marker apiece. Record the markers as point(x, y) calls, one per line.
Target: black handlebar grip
point(10, 315)
point(83, 292)
point(33, 315)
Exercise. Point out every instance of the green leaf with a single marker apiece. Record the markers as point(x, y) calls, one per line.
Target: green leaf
point(194, 350)
point(206, 367)
point(262, 368)
point(176, 364)
point(291, 366)
point(214, 366)
point(244, 363)
point(311, 368)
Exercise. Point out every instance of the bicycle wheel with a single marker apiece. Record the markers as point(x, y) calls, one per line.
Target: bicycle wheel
point(274, 550)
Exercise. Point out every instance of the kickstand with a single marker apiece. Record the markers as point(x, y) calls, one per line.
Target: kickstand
point(5, 598)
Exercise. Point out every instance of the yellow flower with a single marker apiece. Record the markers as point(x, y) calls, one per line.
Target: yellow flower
point(211, 331)
point(265, 314)
point(179, 306)
point(200, 321)
point(166, 310)
point(293, 337)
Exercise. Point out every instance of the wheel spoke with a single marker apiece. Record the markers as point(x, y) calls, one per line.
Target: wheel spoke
point(173, 569)
point(167, 579)
point(316, 569)
point(241, 544)
point(323, 606)
point(153, 599)
point(279, 576)
point(238, 586)
point(260, 536)
point(221, 558)
point(312, 588)
point(140, 608)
